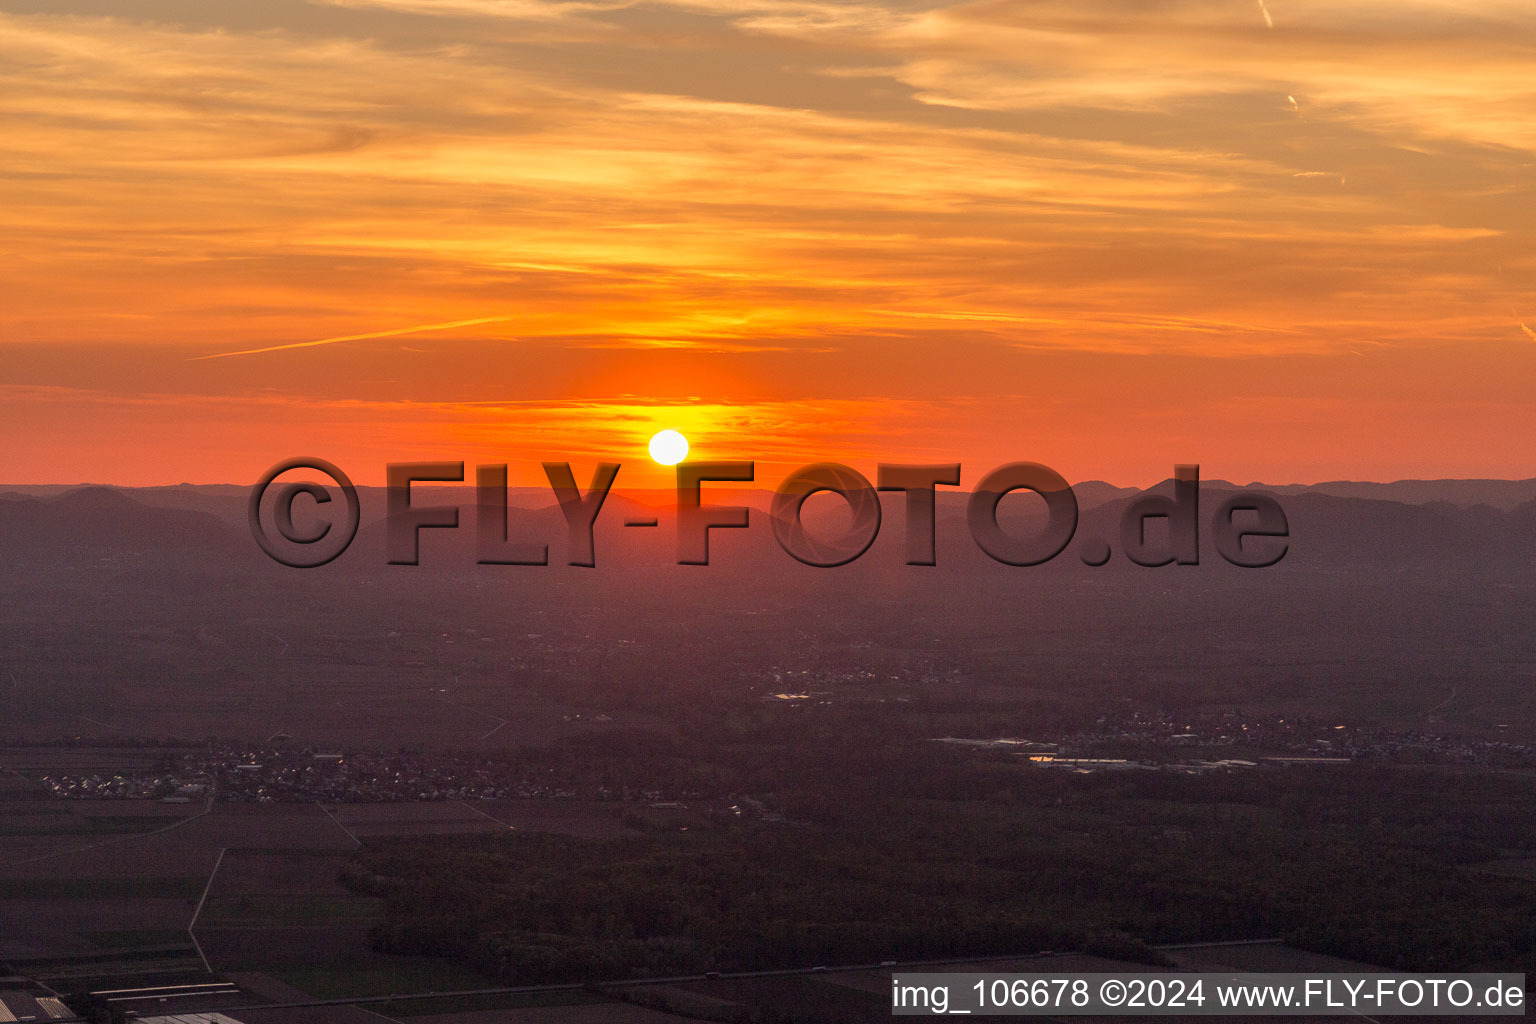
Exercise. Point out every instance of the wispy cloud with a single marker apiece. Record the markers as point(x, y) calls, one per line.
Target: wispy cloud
point(392, 333)
point(784, 197)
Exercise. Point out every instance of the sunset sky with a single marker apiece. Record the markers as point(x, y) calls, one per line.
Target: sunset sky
point(1290, 240)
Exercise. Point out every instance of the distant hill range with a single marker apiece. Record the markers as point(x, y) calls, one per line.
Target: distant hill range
point(228, 500)
point(1499, 494)
point(156, 607)
point(1462, 523)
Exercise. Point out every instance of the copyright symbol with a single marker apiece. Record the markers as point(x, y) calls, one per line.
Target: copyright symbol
point(303, 549)
point(1112, 992)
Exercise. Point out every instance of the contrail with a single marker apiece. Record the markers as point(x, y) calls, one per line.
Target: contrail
point(1528, 332)
point(355, 337)
point(1264, 9)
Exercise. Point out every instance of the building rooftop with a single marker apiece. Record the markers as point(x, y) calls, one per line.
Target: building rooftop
point(22, 1005)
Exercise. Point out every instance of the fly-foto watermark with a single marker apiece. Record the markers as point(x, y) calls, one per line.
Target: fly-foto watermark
point(1248, 528)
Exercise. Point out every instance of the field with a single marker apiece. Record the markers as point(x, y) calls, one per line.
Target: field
point(593, 1013)
point(448, 1011)
point(100, 888)
point(94, 890)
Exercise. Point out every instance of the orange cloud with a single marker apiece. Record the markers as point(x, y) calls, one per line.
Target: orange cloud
point(833, 218)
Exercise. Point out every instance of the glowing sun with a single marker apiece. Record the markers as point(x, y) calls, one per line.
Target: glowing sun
point(669, 447)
